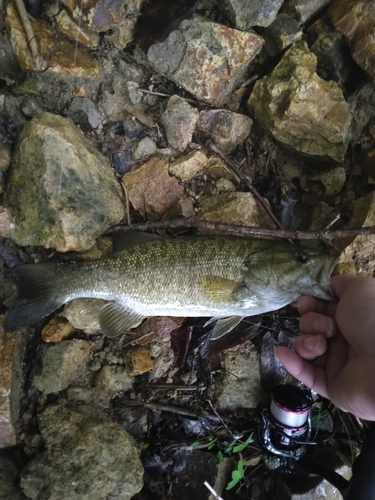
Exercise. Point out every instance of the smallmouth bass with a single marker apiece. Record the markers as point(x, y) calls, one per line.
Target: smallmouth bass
point(225, 277)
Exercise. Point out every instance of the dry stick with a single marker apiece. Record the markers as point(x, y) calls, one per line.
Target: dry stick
point(127, 203)
point(245, 179)
point(249, 231)
point(174, 409)
point(30, 34)
point(144, 91)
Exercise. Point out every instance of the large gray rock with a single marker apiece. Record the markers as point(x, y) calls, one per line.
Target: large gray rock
point(300, 109)
point(303, 10)
point(62, 364)
point(86, 457)
point(206, 58)
point(69, 193)
point(244, 14)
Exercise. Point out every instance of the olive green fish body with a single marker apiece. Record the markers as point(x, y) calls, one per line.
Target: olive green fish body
point(193, 276)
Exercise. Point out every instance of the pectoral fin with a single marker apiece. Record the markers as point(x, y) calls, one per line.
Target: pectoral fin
point(115, 319)
point(217, 288)
point(225, 325)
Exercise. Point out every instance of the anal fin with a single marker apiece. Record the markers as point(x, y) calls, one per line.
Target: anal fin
point(225, 325)
point(115, 319)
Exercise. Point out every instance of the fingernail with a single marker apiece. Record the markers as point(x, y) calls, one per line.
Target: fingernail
point(311, 342)
point(324, 324)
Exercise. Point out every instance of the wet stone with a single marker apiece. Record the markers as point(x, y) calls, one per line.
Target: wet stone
point(83, 314)
point(12, 352)
point(281, 33)
point(56, 168)
point(196, 56)
point(86, 455)
point(144, 149)
point(145, 184)
point(188, 166)
point(63, 55)
point(300, 109)
point(303, 10)
point(84, 113)
point(112, 380)
point(137, 360)
point(63, 364)
point(244, 14)
point(57, 329)
point(224, 128)
point(67, 25)
point(179, 121)
point(356, 20)
point(4, 163)
point(239, 384)
point(235, 208)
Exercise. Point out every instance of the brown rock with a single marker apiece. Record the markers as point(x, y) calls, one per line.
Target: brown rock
point(137, 360)
point(57, 329)
point(79, 33)
point(12, 349)
point(356, 20)
point(235, 208)
point(63, 56)
point(151, 190)
point(156, 327)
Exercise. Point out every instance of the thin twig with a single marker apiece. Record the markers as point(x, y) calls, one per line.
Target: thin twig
point(333, 221)
point(250, 231)
point(127, 203)
point(213, 492)
point(174, 387)
point(173, 409)
point(247, 181)
point(220, 419)
point(38, 61)
point(145, 91)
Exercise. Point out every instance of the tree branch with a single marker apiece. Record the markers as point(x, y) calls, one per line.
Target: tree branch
point(248, 231)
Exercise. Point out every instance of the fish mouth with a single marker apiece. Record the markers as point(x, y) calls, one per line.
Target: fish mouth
point(321, 279)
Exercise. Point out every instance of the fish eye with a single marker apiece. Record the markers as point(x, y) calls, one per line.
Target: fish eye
point(301, 257)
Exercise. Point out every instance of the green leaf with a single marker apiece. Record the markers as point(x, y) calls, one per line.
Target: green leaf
point(27, 88)
point(193, 445)
point(229, 448)
point(211, 444)
point(237, 475)
point(242, 446)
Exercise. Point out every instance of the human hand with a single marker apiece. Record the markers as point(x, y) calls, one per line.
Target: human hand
point(335, 353)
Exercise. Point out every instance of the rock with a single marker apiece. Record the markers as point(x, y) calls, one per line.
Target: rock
point(369, 166)
point(183, 207)
point(239, 384)
point(187, 167)
point(63, 56)
point(155, 327)
point(103, 248)
point(300, 109)
point(78, 33)
point(57, 329)
point(137, 360)
point(4, 163)
point(362, 107)
point(196, 56)
point(281, 33)
point(83, 314)
point(225, 186)
point(192, 468)
point(12, 355)
point(179, 121)
point(224, 128)
point(331, 180)
point(63, 364)
point(70, 195)
point(358, 255)
point(235, 208)
point(145, 148)
point(7, 224)
point(151, 190)
point(111, 381)
point(84, 113)
point(356, 20)
point(243, 14)
point(163, 358)
point(322, 215)
point(119, 16)
point(9, 479)
point(303, 10)
point(86, 456)
point(331, 49)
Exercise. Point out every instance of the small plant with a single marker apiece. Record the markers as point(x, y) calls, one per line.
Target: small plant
point(27, 88)
point(237, 475)
point(143, 446)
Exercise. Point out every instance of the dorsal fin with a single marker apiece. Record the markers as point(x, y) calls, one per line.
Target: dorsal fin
point(122, 240)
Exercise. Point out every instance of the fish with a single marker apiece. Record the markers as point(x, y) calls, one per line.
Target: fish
point(223, 277)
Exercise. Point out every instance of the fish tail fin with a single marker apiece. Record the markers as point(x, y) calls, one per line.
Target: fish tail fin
point(37, 296)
